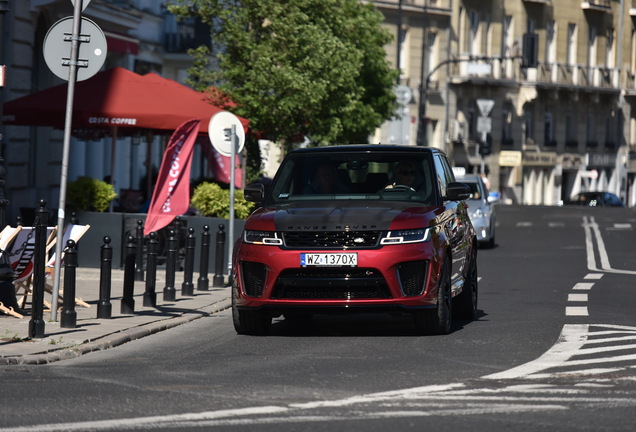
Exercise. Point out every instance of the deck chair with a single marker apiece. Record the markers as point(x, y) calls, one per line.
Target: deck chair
point(22, 257)
point(7, 236)
point(71, 232)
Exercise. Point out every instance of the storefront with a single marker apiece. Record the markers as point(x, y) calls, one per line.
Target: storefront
point(539, 175)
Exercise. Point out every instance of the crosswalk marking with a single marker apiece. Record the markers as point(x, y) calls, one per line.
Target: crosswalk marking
point(576, 311)
point(577, 297)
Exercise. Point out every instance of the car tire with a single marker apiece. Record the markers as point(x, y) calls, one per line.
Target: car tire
point(466, 302)
point(439, 320)
point(250, 322)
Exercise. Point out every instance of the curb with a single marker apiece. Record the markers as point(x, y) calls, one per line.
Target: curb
point(118, 338)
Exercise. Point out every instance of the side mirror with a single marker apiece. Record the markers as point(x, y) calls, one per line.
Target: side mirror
point(456, 191)
point(254, 192)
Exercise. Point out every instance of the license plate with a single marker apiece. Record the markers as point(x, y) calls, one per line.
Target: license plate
point(328, 259)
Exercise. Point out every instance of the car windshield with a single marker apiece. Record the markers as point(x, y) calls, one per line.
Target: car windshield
point(394, 176)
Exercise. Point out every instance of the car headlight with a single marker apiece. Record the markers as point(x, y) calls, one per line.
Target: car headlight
point(407, 236)
point(262, 237)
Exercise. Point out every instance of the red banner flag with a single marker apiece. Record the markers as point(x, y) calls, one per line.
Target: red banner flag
point(171, 197)
point(221, 168)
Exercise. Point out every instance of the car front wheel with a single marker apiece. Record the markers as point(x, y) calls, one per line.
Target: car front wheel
point(438, 321)
point(250, 322)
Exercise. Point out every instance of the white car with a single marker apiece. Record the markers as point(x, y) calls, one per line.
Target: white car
point(480, 208)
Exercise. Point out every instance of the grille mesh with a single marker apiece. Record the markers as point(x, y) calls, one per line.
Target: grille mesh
point(331, 239)
point(254, 275)
point(331, 283)
point(412, 275)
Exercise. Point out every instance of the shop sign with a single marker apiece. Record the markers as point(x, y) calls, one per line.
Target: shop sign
point(572, 161)
point(540, 159)
point(509, 158)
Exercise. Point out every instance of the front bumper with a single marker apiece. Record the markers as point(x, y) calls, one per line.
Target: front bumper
point(391, 277)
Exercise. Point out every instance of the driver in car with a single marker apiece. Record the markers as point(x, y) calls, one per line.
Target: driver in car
point(404, 174)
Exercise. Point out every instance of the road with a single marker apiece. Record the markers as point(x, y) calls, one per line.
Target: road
point(554, 348)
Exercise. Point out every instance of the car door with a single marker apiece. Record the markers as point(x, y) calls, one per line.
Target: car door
point(456, 218)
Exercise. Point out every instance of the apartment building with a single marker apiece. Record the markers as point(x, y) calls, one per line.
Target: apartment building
point(543, 89)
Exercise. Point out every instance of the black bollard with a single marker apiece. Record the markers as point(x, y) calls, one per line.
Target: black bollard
point(203, 282)
point(128, 300)
point(150, 296)
point(36, 324)
point(169, 291)
point(68, 317)
point(139, 256)
point(218, 279)
point(187, 287)
point(104, 307)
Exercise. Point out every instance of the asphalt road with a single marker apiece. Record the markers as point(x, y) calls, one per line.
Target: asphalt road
point(554, 348)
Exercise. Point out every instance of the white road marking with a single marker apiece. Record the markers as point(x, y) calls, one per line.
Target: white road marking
point(593, 276)
point(576, 311)
point(583, 286)
point(592, 232)
point(524, 224)
point(577, 297)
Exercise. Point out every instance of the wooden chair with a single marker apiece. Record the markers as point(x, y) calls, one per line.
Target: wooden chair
point(7, 237)
point(21, 259)
point(71, 232)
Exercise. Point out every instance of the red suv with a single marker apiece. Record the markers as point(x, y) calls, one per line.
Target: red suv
point(357, 228)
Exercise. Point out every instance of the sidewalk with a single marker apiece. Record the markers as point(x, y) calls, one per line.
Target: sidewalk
point(91, 333)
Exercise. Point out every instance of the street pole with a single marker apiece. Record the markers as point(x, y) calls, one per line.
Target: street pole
point(234, 141)
point(4, 8)
point(72, 78)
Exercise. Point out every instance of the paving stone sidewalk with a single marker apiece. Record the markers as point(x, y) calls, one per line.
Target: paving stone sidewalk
point(94, 333)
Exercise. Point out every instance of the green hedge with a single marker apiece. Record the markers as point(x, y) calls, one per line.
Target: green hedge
point(89, 194)
point(211, 200)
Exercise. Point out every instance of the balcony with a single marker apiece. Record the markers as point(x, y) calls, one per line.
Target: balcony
point(439, 7)
point(597, 5)
point(590, 78)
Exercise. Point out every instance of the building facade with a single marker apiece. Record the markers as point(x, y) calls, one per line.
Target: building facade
point(536, 93)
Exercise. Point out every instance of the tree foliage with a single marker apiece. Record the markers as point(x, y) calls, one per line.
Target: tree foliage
point(297, 69)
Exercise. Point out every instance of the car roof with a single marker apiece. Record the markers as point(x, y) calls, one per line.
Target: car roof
point(367, 148)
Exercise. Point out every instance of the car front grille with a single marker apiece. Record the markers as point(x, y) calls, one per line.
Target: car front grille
point(331, 283)
point(331, 239)
point(254, 275)
point(412, 276)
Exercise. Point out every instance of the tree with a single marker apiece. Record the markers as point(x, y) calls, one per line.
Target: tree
point(297, 69)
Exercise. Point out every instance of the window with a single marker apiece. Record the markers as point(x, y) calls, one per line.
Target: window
point(508, 37)
point(474, 45)
point(506, 129)
point(591, 43)
point(550, 42)
point(570, 129)
point(590, 130)
point(609, 49)
point(527, 123)
point(571, 44)
point(548, 137)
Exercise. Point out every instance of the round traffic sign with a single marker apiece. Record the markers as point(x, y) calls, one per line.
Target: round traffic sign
point(92, 48)
point(220, 132)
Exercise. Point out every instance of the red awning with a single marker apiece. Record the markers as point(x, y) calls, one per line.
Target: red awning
point(121, 44)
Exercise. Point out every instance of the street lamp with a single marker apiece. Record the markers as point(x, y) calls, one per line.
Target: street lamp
point(4, 8)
